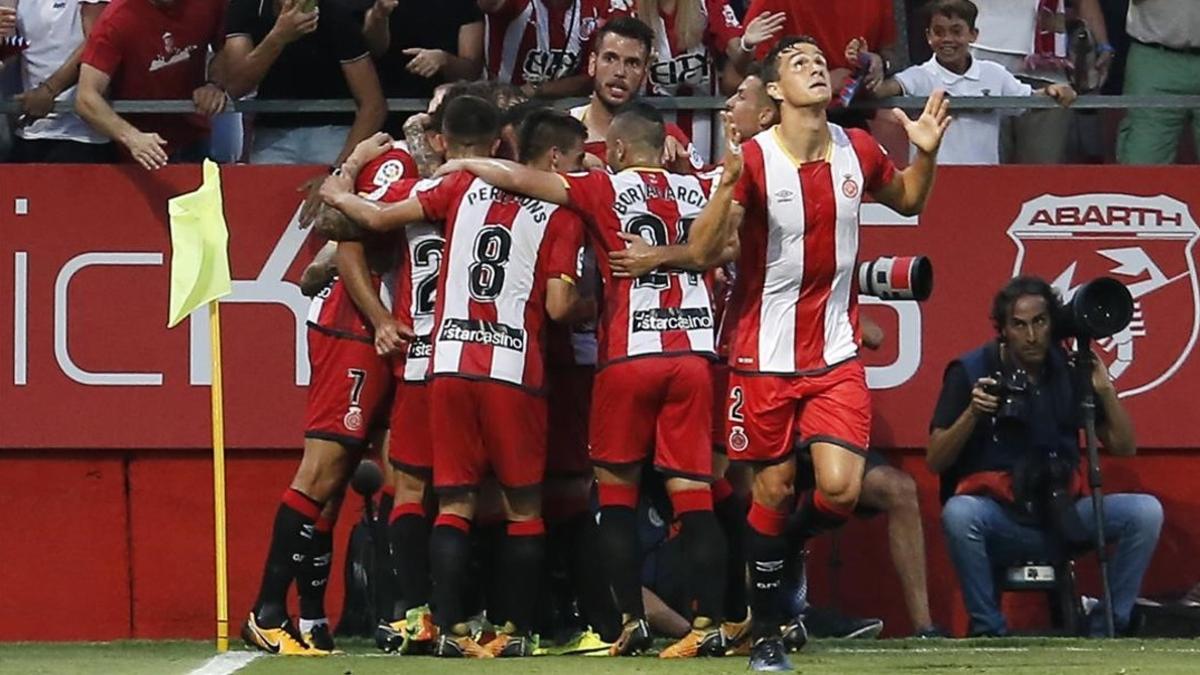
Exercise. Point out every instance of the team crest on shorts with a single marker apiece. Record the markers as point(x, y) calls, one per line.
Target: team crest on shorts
point(737, 440)
point(849, 187)
point(353, 420)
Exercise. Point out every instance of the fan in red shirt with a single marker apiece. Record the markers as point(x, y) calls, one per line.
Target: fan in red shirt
point(509, 261)
point(792, 194)
point(700, 50)
point(652, 393)
point(833, 25)
point(154, 49)
point(541, 45)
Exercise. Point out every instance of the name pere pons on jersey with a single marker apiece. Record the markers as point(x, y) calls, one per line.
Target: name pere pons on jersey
point(488, 193)
point(642, 193)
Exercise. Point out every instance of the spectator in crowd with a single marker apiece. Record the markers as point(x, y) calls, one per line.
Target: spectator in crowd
point(8, 21)
point(975, 136)
point(980, 447)
point(154, 49)
point(618, 66)
point(55, 34)
point(1029, 39)
point(541, 45)
point(419, 44)
point(1164, 58)
point(290, 49)
point(833, 25)
point(693, 39)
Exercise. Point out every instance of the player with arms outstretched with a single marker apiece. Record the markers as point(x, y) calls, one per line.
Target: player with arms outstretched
point(792, 195)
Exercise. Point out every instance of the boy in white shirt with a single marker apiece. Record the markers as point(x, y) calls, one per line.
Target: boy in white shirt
point(975, 136)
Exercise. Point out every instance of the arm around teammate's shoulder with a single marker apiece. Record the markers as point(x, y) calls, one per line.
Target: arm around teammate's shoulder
point(512, 177)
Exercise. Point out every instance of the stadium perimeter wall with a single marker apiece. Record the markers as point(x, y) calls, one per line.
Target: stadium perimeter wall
point(105, 482)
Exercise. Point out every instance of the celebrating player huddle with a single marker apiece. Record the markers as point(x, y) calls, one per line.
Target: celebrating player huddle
point(487, 270)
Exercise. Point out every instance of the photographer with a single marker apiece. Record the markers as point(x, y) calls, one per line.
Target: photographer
point(1005, 440)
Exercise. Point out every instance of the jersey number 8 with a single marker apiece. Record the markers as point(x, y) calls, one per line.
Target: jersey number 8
point(493, 246)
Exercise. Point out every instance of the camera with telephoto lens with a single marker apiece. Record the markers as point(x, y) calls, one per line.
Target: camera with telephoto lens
point(1012, 388)
point(896, 278)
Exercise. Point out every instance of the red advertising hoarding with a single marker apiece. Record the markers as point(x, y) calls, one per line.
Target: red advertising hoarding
point(86, 360)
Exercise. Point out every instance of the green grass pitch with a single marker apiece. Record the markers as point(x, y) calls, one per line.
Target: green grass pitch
point(1008, 656)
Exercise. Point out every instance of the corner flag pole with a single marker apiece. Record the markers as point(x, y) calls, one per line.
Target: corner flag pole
point(218, 438)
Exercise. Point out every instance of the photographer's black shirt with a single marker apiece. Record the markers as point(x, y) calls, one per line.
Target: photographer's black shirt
point(982, 467)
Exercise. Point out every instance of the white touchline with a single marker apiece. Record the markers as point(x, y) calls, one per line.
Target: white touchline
point(225, 664)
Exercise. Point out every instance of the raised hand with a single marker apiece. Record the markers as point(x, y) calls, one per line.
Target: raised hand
point(763, 28)
point(928, 130)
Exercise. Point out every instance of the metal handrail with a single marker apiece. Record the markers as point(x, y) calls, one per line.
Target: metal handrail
point(308, 106)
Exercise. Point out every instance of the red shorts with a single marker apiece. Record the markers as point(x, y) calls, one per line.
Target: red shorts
point(720, 386)
point(568, 399)
point(410, 447)
point(655, 404)
point(764, 412)
point(480, 425)
point(348, 391)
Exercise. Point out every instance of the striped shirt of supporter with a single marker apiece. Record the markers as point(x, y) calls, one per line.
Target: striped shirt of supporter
point(664, 312)
point(501, 250)
point(794, 307)
point(333, 311)
point(533, 41)
point(679, 71)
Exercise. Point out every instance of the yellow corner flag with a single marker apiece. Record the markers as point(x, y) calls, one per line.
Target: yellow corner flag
point(199, 276)
point(199, 247)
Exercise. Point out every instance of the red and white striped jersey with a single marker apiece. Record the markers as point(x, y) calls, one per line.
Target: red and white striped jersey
point(379, 174)
point(598, 147)
point(794, 304)
point(410, 288)
point(501, 250)
point(332, 310)
point(536, 41)
point(679, 71)
point(664, 312)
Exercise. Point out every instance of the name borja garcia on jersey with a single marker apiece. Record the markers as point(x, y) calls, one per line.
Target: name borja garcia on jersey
point(641, 193)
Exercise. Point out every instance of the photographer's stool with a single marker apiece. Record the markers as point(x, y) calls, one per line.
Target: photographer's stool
point(1056, 580)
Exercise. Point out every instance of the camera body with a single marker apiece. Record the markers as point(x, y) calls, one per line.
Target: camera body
point(1012, 388)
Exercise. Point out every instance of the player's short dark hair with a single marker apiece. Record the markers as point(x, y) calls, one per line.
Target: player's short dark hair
point(515, 116)
point(336, 226)
point(770, 65)
point(641, 123)
point(1019, 287)
point(471, 121)
point(627, 27)
point(546, 129)
point(952, 9)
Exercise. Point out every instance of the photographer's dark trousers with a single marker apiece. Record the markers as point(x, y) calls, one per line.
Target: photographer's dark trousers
point(982, 536)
